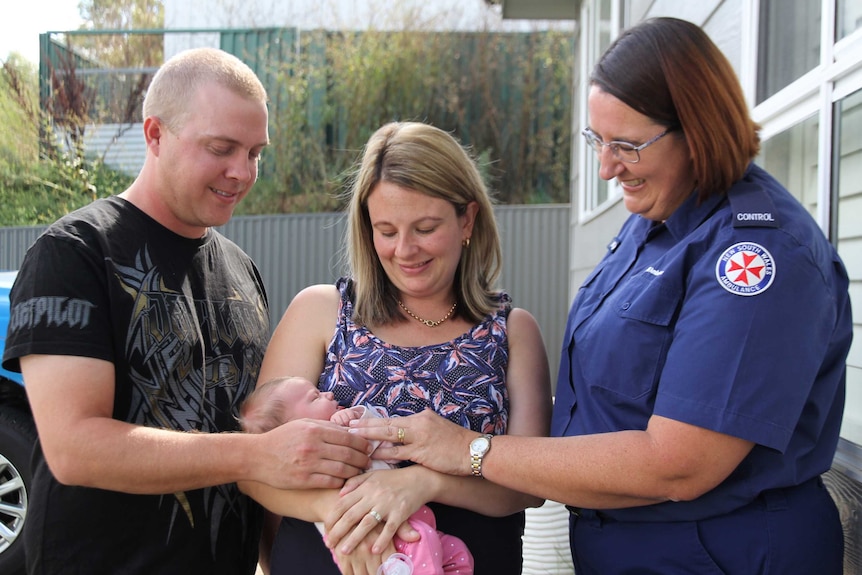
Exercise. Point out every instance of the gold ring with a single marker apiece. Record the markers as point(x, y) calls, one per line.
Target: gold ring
point(375, 515)
point(400, 435)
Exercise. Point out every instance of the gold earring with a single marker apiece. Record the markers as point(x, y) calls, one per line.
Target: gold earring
point(466, 242)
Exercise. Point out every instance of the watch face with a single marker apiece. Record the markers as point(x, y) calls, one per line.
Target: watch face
point(480, 445)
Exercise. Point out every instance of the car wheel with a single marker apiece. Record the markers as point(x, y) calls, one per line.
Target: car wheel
point(17, 436)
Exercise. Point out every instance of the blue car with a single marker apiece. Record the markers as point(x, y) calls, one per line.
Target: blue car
point(17, 437)
point(6, 279)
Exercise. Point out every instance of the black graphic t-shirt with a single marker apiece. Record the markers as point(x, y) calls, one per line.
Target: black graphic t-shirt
point(185, 323)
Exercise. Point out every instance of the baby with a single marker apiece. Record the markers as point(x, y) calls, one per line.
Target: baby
point(287, 398)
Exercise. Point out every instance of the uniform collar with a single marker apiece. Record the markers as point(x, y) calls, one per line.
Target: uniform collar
point(691, 214)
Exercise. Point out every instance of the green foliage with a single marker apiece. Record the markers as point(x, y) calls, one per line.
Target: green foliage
point(19, 143)
point(123, 14)
point(507, 97)
point(296, 172)
point(121, 50)
point(50, 189)
point(39, 183)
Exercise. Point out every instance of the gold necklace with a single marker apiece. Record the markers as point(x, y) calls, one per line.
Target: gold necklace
point(428, 322)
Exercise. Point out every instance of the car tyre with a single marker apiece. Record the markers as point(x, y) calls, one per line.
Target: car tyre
point(17, 437)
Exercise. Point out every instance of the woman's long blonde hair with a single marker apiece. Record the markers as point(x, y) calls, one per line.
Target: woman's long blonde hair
point(426, 159)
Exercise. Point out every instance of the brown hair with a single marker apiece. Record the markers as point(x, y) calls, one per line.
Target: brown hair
point(670, 71)
point(429, 160)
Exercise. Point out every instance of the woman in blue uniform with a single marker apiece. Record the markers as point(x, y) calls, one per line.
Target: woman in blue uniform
point(702, 380)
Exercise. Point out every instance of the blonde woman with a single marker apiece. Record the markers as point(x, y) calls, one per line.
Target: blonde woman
point(417, 324)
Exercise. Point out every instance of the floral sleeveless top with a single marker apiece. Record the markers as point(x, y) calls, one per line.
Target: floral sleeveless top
point(464, 379)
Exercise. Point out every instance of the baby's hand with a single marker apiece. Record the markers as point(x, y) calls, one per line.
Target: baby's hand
point(346, 415)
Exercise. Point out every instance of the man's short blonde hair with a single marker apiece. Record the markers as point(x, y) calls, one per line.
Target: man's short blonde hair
point(176, 82)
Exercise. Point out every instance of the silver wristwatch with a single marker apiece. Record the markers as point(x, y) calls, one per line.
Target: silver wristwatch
point(479, 447)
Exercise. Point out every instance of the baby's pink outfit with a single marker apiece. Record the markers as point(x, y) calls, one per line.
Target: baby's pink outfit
point(436, 552)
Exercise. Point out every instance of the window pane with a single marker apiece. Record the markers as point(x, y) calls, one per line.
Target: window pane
point(789, 43)
point(604, 28)
point(849, 18)
point(596, 188)
point(605, 25)
point(791, 157)
point(848, 238)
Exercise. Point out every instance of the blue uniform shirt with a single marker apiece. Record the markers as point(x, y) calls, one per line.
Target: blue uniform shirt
point(734, 316)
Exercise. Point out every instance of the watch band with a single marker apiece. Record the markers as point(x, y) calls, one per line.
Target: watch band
point(476, 464)
point(476, 458)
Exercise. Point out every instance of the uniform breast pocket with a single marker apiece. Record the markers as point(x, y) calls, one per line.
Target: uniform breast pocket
point(649, 300)
point(628, 338)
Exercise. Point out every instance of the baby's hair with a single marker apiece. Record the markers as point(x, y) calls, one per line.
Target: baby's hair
point(261, 412)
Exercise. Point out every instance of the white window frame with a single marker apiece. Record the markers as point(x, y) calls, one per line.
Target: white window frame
point(816, 93)
point(589, 183)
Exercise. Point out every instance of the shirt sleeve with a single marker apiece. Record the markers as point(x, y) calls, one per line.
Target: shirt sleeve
point(743, 362)
point(58, 304)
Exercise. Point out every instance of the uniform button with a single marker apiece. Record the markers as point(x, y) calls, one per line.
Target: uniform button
point(627, 305)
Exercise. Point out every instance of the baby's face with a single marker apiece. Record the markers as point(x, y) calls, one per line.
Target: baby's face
point(305, 400)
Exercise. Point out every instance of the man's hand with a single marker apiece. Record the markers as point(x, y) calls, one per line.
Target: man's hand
point(312, 454)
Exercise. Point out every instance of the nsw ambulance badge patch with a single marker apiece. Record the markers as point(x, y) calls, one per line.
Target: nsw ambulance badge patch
point(745, 269)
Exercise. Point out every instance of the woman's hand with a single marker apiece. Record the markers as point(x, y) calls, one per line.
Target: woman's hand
point(362, 560)
point(424, 438)
point(385, 499)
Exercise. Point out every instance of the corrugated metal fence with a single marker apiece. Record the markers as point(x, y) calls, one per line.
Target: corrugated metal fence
point(297, 250)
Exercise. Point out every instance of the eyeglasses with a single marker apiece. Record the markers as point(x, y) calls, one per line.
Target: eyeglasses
point(623, 151)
